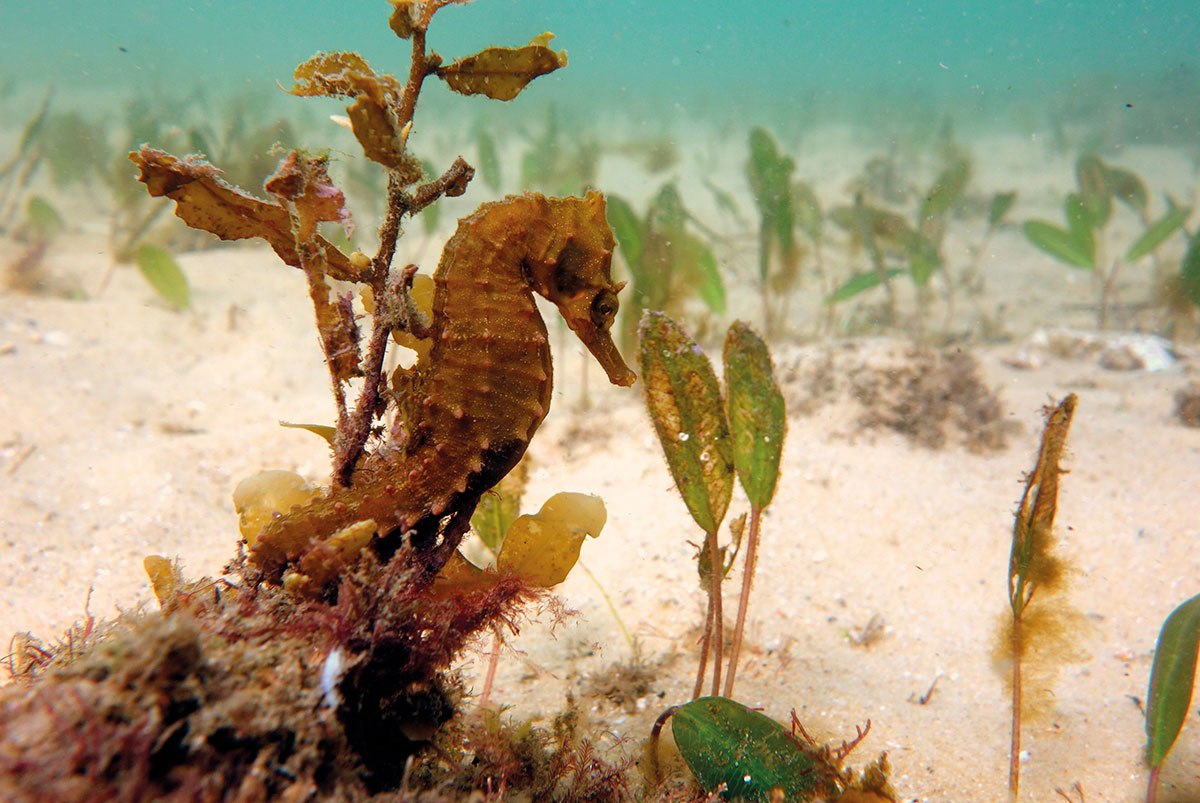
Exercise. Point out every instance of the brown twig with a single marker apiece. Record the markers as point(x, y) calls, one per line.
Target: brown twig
point(798, 728)
point(9, 180)
point(21, 457)
point(393, 310)
point(1075, 787)
point(928, 695)
point(423, 64)
point(871, 632)
point(8, 211)
point(452, 184)
point(319, 291)
point(398, 203)
point(839, 754)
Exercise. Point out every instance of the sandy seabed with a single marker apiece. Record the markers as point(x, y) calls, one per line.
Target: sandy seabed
point(125, 427)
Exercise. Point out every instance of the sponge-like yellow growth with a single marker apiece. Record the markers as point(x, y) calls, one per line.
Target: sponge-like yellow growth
point(262, 496)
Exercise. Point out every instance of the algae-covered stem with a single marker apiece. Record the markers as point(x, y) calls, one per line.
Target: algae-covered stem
point(422, 64)
point(714, 620)
point(744, 598)
point(1014, 746)
point(1032, 565)
point(395, 306)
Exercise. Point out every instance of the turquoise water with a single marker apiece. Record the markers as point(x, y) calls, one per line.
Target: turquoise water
point(756, 58)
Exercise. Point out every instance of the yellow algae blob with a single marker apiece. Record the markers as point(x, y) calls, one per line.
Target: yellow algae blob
point(542, 548)
point(165, 577)
point(360, 260)
point(261, 497)
point(545, 547)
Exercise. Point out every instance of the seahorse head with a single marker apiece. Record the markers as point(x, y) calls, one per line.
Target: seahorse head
point(575, 272)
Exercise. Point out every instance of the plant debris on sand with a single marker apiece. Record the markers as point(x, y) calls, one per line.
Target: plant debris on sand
point(933, 397)
point(933, 390)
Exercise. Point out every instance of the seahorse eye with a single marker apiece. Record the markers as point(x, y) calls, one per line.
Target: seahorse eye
point(604, 308)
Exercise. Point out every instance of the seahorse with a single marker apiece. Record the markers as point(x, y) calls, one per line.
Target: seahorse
point(474, 404)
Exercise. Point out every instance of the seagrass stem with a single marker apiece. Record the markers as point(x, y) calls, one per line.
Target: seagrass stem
point(744, 598)
point(717, 626)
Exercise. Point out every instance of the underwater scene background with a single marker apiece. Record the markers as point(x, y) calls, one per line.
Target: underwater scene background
point(942, 217)
point(755, 62)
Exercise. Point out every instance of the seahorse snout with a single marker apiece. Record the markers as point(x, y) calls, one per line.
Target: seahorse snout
point(602, 347)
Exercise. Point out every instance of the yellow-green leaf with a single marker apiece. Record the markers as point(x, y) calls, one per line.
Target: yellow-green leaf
point(323, 431)
point(1157, 233)
point(1128, 188)
point(695, 259)
point(501, 73)
point(684, 402)
point(630, 231)
point(1172, 680)
point(923, 258)
point(1079, 220)
point(946, 191)
point(1094, 188)
point(1189, 270)
point(724, 200)
point(757, 418)
point(859, 283)
point(808, 210)
point(724, 743)
point(164, 275)
point(1061, 244)
point(769, 173)
point(498, 508)
point(43, 217)
point(1001, 203)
